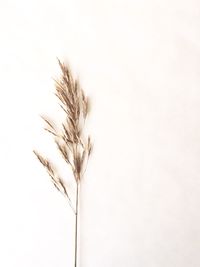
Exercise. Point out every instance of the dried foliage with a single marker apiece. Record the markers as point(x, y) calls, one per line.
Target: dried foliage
point(69, 139)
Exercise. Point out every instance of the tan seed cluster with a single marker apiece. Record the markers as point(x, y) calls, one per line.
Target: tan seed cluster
point(74, 148)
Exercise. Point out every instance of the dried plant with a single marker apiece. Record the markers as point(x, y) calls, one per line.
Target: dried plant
point(73, 146)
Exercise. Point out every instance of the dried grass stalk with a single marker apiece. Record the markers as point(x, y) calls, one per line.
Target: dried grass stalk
point(69, 139)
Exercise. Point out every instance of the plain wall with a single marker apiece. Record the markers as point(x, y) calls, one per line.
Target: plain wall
point(139, 61)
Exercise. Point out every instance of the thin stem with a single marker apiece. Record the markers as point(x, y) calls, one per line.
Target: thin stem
point(70, 204)
point(76, 224)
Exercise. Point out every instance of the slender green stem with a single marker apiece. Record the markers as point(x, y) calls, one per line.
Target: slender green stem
point(76, 224)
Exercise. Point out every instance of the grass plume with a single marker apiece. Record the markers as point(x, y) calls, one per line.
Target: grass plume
point(73, 146)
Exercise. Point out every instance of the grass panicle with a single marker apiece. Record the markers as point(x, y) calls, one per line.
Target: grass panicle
point(69, 138)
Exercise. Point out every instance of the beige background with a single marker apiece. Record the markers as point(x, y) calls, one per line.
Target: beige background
point(139, 61)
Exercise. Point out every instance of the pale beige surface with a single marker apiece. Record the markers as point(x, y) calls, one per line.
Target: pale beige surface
point(139, 61)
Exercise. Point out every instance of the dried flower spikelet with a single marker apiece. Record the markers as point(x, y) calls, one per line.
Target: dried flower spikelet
point(89, 146)
point(85, 104)
point(57, 181)
point(46, 163)
point(49, 126)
